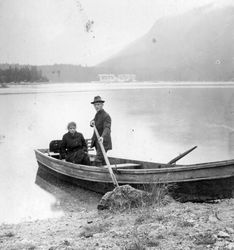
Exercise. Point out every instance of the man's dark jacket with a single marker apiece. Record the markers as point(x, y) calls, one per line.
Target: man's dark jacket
point(103, 124)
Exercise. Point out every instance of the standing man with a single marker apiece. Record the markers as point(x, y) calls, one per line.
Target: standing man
point(102, 121)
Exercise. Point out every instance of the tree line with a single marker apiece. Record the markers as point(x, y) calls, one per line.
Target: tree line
point(22, 74)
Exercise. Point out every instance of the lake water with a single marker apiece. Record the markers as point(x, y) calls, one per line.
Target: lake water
point(151, 121)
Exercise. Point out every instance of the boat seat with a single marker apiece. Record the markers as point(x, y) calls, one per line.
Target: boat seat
point(125, 165)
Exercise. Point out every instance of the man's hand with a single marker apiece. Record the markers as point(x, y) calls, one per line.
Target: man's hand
point(92, 123)
point(100, 139)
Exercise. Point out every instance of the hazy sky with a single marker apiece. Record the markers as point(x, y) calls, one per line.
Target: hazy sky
point(54, 31)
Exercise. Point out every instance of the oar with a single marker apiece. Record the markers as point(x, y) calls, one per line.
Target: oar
point(181, 155)
point(106, 158)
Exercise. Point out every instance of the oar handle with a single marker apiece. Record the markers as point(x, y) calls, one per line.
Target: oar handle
point(106, 158)
point(181, 155)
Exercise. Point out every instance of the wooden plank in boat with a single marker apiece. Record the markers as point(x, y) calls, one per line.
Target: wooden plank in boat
point(116, 166)
point(125, 165)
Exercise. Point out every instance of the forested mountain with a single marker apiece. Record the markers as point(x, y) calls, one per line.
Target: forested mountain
point(52, 73)
point(195, 46)
point(20, 73)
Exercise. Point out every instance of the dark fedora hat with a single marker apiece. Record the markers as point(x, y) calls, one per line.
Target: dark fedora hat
point(97, 99)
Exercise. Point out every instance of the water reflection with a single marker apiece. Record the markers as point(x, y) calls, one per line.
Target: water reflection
point(68, 197)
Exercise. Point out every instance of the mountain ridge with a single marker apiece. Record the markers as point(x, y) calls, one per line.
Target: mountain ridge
point(194, 46)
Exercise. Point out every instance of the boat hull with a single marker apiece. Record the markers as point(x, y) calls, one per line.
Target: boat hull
point(98, 187)
point(188, 182)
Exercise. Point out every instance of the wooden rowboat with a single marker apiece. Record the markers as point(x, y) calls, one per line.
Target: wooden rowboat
point(202, 181)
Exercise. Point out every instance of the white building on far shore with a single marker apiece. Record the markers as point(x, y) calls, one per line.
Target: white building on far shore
point(118, 78)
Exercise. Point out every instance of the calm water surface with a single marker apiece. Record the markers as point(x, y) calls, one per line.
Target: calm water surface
point(150, 122)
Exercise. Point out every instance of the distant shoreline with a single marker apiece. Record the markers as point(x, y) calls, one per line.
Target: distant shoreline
point(36, 88)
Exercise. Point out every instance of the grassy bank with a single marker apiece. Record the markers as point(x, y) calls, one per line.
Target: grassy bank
point(174, 226)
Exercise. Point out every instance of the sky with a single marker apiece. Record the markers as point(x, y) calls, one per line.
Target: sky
point(84, 32)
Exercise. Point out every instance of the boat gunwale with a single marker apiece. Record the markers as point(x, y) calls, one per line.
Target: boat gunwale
point(132, 182)
point(175, 168)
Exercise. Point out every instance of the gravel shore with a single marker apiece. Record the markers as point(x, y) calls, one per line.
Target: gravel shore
point(174, 226)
